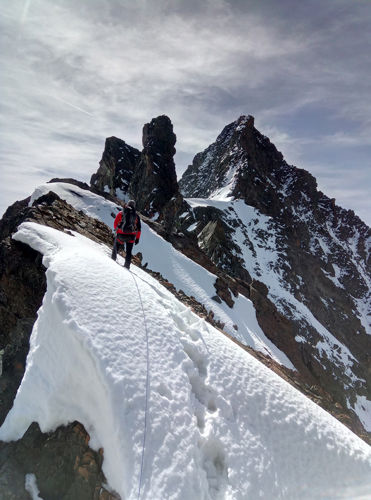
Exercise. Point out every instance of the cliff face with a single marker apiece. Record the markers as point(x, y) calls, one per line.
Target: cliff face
point(148, 177)
point(266, 217)
point(116, 168)
point(154, 181)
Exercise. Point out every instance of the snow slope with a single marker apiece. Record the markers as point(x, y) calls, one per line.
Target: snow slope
point(263, 254)
point(81, 199)
point(180, 410)
point(178, 269)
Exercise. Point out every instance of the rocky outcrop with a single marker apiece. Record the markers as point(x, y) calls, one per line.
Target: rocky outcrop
point(116, 168)
point(148, 177)
point(216, 240)
point(223, 291)
point(154, 182)
point(64, 465)
point(69, 180)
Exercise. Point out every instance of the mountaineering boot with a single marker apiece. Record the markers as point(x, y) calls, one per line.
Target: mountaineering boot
point(114, 250)
point(129, 248)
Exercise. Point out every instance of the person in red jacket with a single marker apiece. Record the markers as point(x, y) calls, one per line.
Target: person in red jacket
point(128, 229)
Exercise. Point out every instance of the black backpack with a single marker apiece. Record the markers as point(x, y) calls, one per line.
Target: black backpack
point(129, 220)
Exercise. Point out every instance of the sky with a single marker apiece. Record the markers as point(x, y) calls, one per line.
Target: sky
point(74, 72)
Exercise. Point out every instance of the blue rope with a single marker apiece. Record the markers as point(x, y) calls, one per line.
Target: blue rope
point(147, 391)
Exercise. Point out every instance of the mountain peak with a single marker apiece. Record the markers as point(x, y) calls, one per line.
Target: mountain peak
point(213, 172)
point(159, 132)
point(154, 181)
point(245, 122)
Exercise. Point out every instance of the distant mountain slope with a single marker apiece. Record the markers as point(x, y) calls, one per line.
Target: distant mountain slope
point(256, 213)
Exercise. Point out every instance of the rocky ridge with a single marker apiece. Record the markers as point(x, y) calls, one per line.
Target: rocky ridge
point(148, 176)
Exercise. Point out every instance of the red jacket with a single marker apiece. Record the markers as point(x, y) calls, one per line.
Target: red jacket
point(135, 235)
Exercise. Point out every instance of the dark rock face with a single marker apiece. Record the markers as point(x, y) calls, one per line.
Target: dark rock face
point(148, 177)
point(216, 239)
point(22, 287)
point(317, 267)
point(116, 168)
point(154, 182)
point(211, 169)
point(64, 465)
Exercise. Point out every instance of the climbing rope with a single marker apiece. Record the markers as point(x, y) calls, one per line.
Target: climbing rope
point(147, 390)
point(147, 381)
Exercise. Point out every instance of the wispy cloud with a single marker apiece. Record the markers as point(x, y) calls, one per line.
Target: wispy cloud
point(25, 10)
point(73, 105)
point(82, 71)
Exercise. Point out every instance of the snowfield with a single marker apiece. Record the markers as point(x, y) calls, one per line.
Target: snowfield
point(181, 411)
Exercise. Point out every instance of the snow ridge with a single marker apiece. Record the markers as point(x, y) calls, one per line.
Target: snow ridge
point(185, 274)
point(219, 422)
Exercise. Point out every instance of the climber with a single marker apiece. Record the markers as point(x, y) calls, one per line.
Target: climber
point(128, 228)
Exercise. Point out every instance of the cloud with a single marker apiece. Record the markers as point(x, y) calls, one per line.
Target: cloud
point(74, 73)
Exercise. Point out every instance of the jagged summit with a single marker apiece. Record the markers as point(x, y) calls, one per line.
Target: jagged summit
point(148, 176)
point(217, 171)
point(154, 181)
